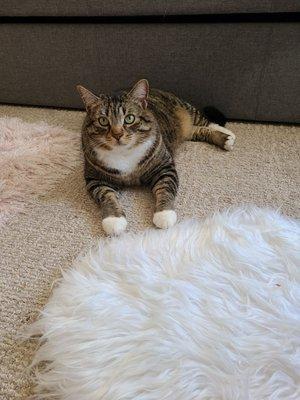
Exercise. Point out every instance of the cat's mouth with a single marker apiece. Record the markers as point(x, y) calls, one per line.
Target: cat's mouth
point(119, 142)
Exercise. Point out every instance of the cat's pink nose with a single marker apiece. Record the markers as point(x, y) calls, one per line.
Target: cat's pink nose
point(117, 133)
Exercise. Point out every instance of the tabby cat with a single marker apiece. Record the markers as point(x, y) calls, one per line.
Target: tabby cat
point(129, 139)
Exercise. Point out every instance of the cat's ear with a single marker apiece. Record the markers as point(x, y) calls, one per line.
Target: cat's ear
point(87, 97)
point(140, 92)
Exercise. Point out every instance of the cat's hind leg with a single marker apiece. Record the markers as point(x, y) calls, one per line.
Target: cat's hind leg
point(196, 127)
point(214, 134)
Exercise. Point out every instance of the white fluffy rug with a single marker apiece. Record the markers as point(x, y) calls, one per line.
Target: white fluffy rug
point(206, 310)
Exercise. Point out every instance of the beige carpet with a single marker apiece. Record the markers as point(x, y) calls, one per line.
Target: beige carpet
point(263, 169)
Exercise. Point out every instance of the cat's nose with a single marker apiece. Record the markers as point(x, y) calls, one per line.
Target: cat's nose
point(117, 133)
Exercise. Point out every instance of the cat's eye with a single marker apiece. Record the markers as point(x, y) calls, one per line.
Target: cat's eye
point(103, 121)
point(129, 119)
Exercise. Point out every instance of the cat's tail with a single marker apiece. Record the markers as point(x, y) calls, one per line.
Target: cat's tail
point(214, 115)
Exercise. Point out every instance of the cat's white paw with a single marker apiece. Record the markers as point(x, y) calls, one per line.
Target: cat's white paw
point(228, 145)
point(229, 141)
point(165, 219)
point(114, 225)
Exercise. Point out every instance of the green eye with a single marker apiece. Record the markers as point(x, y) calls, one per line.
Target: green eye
point(129, 119)
point(103, 121)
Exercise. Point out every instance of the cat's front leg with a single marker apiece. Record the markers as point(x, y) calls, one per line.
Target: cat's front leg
point(114, 221)
point(165, 189)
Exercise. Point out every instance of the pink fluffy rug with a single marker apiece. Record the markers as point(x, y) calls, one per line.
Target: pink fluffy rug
point(32, 158)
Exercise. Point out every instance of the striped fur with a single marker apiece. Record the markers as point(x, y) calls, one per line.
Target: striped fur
point(130, 138)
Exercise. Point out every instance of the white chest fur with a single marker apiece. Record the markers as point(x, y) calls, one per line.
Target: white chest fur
point(123, 158)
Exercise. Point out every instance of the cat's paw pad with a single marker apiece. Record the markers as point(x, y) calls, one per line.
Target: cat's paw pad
point(114, 225)
point(165, 219)
point(229, 141)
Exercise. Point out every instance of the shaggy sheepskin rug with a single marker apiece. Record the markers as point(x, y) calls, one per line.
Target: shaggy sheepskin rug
point(206, 310)
point(32, 158)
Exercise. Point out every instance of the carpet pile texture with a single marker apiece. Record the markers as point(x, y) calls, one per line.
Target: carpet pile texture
point(56, 225)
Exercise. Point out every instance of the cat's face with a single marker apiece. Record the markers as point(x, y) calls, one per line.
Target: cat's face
point(118, 121)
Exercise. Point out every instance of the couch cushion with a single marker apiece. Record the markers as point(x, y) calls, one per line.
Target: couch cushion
point(246, 70)
point(120, 8)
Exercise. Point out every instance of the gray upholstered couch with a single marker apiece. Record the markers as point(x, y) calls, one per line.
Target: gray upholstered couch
point(241, 56)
